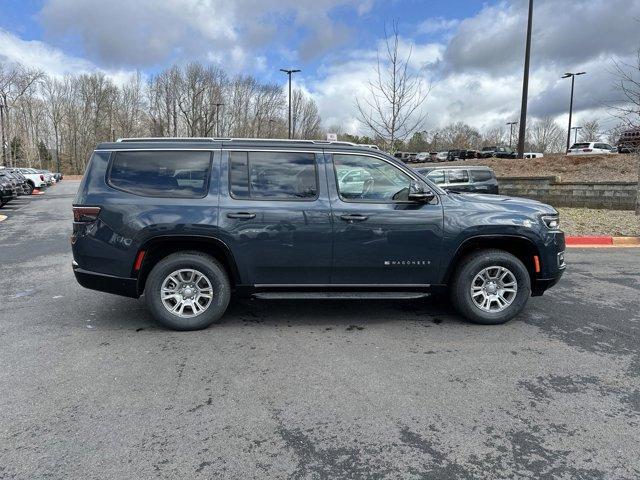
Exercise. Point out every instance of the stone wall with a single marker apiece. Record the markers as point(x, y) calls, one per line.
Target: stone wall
point(612, 195)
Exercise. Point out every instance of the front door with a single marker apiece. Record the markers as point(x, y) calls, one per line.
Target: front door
point(380, 238)
point(275, 215)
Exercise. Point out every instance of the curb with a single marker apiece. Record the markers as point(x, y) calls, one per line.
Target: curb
point(601, 241)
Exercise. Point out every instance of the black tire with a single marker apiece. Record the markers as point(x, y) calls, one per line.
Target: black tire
point(205, 264)
point(30, 188)
point(471, 266)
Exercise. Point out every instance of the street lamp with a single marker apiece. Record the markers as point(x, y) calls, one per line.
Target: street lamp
point(511, 124)
point(525, 85)
point(573, 77)
point(289, 72)
point(575, 134)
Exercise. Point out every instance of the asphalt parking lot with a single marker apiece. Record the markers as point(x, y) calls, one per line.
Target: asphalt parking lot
point(90, 387)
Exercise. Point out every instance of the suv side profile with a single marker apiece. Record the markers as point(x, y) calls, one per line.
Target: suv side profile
point(189, 222)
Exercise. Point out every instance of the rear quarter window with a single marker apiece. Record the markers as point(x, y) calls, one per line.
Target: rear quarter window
point(481, 175)
point(174, 174)
point(458, 176)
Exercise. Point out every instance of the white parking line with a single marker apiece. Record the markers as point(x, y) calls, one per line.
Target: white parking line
point(3, 217)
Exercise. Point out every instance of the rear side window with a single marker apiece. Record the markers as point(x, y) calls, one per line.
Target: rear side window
point(458, 176)
point(481, 175)
point(580, 145)
point(273, 175)
point(162, 174)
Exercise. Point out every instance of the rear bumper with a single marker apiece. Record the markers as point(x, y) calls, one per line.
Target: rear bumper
point(126, 287)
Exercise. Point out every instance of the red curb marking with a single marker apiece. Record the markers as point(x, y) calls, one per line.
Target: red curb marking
point(591, 240)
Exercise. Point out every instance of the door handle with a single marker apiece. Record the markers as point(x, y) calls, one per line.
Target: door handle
point(353, 217)
point(242, 215)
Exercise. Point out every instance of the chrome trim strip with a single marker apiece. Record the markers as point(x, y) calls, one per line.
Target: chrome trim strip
point(342, 285)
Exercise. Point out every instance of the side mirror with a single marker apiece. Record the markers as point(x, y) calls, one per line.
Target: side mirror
point(417, 193)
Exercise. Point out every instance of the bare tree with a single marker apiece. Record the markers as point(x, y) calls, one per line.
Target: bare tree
point(306, 120)
point(391, 110)
point(590, 131)
point(544, 135)
point(628, 83)
point(459, 135)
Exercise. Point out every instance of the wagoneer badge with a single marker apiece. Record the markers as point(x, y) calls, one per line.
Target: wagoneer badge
point(393, 263)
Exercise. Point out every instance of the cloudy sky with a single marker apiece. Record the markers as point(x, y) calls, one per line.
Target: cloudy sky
point(470, 52)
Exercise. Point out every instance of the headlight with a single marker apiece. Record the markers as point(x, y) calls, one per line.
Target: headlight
point(551, 221)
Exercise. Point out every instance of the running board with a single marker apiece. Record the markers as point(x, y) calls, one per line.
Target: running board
point(340, 295)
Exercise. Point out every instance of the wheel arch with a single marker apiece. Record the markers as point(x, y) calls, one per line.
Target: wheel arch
point(160, 247)
point(521, 247)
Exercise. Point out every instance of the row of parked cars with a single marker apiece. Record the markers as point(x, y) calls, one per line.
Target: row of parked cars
point(462, 154)
point(15, 182)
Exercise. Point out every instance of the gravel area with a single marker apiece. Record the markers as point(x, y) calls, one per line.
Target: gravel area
point(587, 221)
point(592, 168)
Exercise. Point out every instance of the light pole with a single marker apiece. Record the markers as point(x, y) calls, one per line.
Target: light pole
point(218, 105)
point(575, 134)
point(4, 114)
point(573, 77)
point(511, 124)
point(289, 72)
point(525, 85)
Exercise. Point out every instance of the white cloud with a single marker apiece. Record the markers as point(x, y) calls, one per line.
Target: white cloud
point(53, 61)
point(437, 25)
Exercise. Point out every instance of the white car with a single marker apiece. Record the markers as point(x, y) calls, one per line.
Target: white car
point(590, 148)
point(35, 179)
point(533, 155)
point(442, 156)
point(422, 157)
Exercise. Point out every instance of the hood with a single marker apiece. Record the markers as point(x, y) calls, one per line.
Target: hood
point(480, 201)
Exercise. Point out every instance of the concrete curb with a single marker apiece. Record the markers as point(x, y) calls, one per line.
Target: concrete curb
point(602, 241)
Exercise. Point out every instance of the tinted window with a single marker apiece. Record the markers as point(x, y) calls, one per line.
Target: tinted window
point(581, 145)
point(458, 176)
point(481, 175)
point(162, 174)
point(274, 175)
point(367, 178)
point(436, 176)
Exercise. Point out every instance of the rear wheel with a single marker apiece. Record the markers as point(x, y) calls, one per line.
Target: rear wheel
point(187, 291)
point(491, 287)
point(30, 188)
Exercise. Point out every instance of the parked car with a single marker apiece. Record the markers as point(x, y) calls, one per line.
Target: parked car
point(629, 141)
point(533, 155)
point(467, 154)
point(590, 148)
point(453, 155)
point(442, 156)
point(422, 157)
point(34, 179)
point(23, 184)
point(322, 219)
point(487, 152)
point(504, 152)
point(462, 179)
point(8, 191)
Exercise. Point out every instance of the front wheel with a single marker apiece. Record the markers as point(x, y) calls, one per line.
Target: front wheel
point(30, 188)
point(491, 287)
point(187, 291)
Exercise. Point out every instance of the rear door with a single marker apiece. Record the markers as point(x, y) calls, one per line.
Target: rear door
point(379, 237)
point(275, 216)
point(458, 180)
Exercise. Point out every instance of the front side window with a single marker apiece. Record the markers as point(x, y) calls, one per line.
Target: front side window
point(458, 176)
point(366, 178)
point(436, 176)
point(162, 174)
point(273, 175)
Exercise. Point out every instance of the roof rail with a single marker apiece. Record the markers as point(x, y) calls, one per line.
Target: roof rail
point(236, 139)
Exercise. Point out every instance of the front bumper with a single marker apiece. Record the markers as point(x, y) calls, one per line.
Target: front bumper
point(126, 287)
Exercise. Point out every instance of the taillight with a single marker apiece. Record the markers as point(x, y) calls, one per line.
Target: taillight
point(587, 150)
point(85, 214)
point(42, 178)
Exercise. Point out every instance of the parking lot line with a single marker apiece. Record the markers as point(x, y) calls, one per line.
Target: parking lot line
point(3, 217)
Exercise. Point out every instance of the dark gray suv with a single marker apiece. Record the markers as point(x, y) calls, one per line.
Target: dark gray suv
point(189, 222)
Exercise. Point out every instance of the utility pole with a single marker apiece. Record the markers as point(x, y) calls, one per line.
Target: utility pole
point(218, 105)
point(511, 124)
point(575, 134)
point(289, 72)
point(525, 85)
point(4, 114)
point(573, 77)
